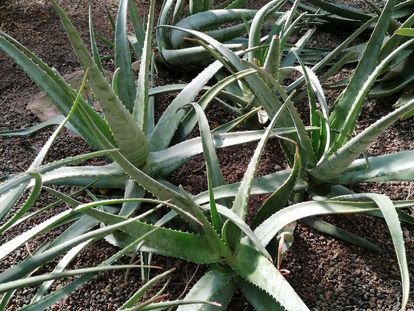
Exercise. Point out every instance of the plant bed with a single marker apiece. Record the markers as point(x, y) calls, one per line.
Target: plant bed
point(327, 273)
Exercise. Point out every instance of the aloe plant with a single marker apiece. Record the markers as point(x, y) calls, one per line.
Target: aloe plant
point(322, 155)
point(177, 50)
point(329, 157)
point(228, 23)
point(142, 152)
point(395, 78)
point(271, 51)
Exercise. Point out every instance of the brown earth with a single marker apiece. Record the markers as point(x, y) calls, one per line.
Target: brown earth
point(327, 273)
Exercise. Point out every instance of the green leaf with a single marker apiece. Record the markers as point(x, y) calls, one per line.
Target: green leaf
point(299, 46)
point(333, 166)
point(61, 94)
point(166, 242)
point(82, 225)
point(327, 228)
point(391, 217)
point(126, 85)
point(27, 204)
point(144, 289)
point(215, 285)
point(269, 101)
point(259, 271)
point(214, 174)
point(315, 89)
point(164, 18)
point(231, 234)
point(272, 61)
point(138, 29)
point(395, 80)
point(195, 6)
point(227, 127)
point(169, 121)
point(326, 61)
point(129, 137)
point(233, 4)
point(26, 282)
point(215, 217)
point(192, 55)
point(132, 190)
point(261, 185)
point(290, 24)
point(258, 298)
point(257, 24)
point(50, 299)
point(166, 161)
point(184, 202)
point(405, 32)
point(342, 10)
point(294, 118)
point(181, 200)
point(105, 176)
point(141, 104)
point(170, 304)
point(21, 269)
point(240, 203)
point(349, 105)
point(304, 141)
point(397, 166)
point(52, 222)
point(394, 41)
point(35, 128)
point(269, 228)
point(190, 119)
point(280, 197)
point(180, 86)
point(44, 226)
point(238, 222)
point(25, 177)
point(10, 199)
point(95, 52)
point(210, 19)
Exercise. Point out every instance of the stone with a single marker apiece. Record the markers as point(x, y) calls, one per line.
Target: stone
point(42, 107)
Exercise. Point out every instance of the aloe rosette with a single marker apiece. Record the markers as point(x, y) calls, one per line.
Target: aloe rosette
point(329, 156)
point(142, 153)
point(323, 155)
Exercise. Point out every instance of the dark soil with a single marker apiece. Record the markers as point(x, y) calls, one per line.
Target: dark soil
point(327, 273)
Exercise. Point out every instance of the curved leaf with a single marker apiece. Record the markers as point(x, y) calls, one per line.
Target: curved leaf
point(259, 271)
point(129, 137)
point(348, 106)
point(189, 121)
point(240, 202)
point(26, 282)
point(125, 81)
point(166, 242)
point(260, 185)
point(214, 285)
point(140, 293)
point(141, 109)
point(257, 24)
point(334, 165)
point(48, 300)
point(397, 166)
point(169, 121)
point(61, 94)
point(205, 20)
point(391, 218)
point(280, 197)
